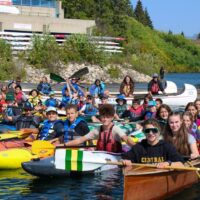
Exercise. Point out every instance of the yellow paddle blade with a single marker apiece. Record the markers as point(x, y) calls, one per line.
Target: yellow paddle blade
point(42, 148)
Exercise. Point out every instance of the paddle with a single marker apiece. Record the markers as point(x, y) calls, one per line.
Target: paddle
point(10, 135)
point(89, 161)
point(42, 146)
point(77, 75)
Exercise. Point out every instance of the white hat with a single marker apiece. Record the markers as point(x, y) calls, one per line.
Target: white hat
point(51, 108)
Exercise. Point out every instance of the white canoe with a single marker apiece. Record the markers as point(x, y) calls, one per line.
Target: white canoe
point(189, 94)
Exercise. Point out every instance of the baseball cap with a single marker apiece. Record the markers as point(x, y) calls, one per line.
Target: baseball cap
point(152, 103)
point(51, 108)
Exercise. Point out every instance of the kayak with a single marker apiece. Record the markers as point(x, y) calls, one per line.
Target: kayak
point(152, 183)
point(14, 135)
point(12, 158)
point(71, 162)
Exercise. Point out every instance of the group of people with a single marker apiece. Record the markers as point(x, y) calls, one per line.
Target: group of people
point(169, 135)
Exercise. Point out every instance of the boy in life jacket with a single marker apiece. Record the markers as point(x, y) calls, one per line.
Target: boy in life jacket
point(109, 136)
point(52, 101)
point(51, 127)
point(74, 126)
point(155, 85)
point(121, 106)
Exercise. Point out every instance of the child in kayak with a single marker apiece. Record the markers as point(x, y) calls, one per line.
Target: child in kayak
point(51, 127)
point(109, 136)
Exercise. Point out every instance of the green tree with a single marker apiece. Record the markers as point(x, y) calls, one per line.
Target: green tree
point(139, 13)
point(148, 21)
point(7, 67)
point(45, 52)
point(198, 36)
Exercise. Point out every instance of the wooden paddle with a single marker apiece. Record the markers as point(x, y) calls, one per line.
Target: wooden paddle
point(92, 160)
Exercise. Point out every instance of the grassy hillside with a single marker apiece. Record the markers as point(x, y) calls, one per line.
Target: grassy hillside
point(147, 50)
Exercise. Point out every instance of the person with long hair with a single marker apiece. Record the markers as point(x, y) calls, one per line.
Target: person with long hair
point(162, 115)
point(97, 89)
point(177, 134)
point(127, 86)
point(191, 125)
point(197, 104)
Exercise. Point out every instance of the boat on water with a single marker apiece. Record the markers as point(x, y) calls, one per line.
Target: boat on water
point(12, 158)
point(71, 162)
point(189, 94)
point(151, 183)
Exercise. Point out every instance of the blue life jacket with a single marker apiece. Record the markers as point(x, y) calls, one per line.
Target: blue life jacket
point(74, 101)
point(65, 100)
point(90, 110)
point(47, 129)
point(51, 102)
point(70, 129)
point(45, 88)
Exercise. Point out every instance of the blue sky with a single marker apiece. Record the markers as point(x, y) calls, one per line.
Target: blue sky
point(174, 15)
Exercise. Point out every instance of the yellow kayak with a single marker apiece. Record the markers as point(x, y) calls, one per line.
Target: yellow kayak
point(12, 158)
point(14, 135)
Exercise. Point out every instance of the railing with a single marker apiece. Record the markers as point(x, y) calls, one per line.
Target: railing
point(23, 41)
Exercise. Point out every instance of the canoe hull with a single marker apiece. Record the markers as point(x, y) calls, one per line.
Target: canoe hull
point(157, 186)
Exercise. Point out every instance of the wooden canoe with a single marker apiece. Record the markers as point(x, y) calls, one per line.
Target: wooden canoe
point(147, 183)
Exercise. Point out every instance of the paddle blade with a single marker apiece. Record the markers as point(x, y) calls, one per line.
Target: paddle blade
point(42, 148)
point(80, 73)
point(78, 160)
point(56, 78)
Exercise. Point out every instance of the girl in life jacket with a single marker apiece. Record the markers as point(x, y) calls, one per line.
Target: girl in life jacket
point(74, 126)
point(51, 127)
point(109, 136)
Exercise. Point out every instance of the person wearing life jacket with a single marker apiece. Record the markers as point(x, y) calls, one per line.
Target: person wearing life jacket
point(97, 89)
point(89, 109)
point(151, 110)
point(135, 112)
point(26, 119)
point(74, 126)
point(121, 106)
point(35, 98)
point(10, 109)
point(51, 101)
point(66, 95)
point(44, 87)
point(109, 136)
point(51, 127)
point(20, 96)
point(155, 85)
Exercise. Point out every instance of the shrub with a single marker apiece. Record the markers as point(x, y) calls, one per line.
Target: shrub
point(45, 52)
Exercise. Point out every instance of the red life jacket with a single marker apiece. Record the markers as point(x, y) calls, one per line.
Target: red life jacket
point(155, 88)
point(106, 142)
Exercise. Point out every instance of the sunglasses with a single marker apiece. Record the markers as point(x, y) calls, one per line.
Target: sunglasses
point(148, 130)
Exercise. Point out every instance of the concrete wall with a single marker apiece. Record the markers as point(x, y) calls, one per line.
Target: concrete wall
point(39, 23)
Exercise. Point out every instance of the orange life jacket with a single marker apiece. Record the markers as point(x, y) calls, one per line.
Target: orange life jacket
point(106, 142)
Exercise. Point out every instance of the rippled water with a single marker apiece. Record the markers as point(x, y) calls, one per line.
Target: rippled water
point(19, 185)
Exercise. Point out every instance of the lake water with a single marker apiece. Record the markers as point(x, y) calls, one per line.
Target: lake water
point(16, 184)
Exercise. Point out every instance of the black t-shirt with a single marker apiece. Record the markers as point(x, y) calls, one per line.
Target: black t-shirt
point(82, 128)
point(145, 153)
